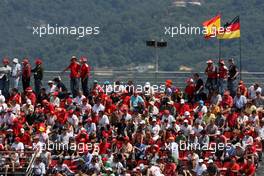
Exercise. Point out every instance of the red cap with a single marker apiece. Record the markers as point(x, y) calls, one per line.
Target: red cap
point(6, 60)
point(71, 111)
point(83, 59)
point(166, 112)
point(17, 139)
point(25, 61)
point(209, 61)
point(168, 82)
point(29, 89)
point(38, 61)
point(126, 138)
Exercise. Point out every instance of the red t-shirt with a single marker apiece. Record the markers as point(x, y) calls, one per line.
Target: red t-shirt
point(75, 70)
point(26, 71)
point(248, 169)
point(223, 72)
point(85, 71)
point(103, 147)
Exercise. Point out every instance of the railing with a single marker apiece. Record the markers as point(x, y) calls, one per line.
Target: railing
point(178, 77)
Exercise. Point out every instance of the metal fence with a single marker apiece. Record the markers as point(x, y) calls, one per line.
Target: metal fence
point(179, 78)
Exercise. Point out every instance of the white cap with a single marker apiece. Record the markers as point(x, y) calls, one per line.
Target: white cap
point(142, 122)
point(218, 132)
point(186, 113)
point(28, 101)
point(152, 103)
point(15, 60)
point(185, 121)
point(210, 161)
point(147, 84)
point(182, 101)
point(171, 102)
point(200, 160)
point(154, 120)
point(50, 82)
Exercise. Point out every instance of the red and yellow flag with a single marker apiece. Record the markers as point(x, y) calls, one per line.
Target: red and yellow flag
point(231, 30)
point(211, 26)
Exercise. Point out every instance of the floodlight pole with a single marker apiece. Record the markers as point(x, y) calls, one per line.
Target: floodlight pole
point(156, 45)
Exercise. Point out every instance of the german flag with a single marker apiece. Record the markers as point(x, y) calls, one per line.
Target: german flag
point(211, 26)
point(231, 30)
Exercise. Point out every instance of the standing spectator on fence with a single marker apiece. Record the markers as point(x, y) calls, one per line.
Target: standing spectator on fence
point(38, 75)
point(199, 87)
point(232, 75)
point(26, 73)
point(74, 68)
point(15, 73)
point(5, 71)
point(222, 75)
point(85, 73)
point(211, 72)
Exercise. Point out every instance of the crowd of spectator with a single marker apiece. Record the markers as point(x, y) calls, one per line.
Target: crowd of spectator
point(211, 127)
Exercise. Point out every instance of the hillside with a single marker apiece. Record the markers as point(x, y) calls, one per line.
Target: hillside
point(124, 27)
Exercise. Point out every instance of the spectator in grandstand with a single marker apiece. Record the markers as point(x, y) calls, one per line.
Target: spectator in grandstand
point(5, 73)
point(240, 101)
point(211, 72)
point(222, 76)
point(51, 87)
point(252, 90)
point(259, 100)
point(232, 76)
point(212, 168)
point(39, 168)
point(200, 168)
point(74, 68)
point(15, 73)
point(26, 73)
point(60, 87)
point(38, 75)
point(199, 87)
point(248, 168)
point(242, 88)
point(84, 75)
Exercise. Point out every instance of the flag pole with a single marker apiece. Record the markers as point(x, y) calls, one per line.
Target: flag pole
point(240, 54)
point(240, 58)
point(219, 54)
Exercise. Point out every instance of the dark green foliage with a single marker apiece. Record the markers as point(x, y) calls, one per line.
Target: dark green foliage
point(124, 27)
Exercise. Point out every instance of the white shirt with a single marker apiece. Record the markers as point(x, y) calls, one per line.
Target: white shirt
point(51, 89)
point(104, 121)
point(5, 70)
point(98, 108)
point(261, 132)
point(78, 99)
point(16, 69)
point(240, 102)
point(200, 169)
point(252, 92)
point(18, 146)
point(39, 169)
point(127, 117)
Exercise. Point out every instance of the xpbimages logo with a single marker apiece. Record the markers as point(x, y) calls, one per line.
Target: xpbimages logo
point(80, 31)
point(173, 31)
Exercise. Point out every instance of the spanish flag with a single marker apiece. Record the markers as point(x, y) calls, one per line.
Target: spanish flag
point(231, 30)
point(211, 26)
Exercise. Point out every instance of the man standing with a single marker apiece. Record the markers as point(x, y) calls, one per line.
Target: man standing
point(232, 75)
point(38, 75)
point(85, 72)
point(26, 73)
point(4, 77)
point(211, 72)
point(222, 75)
point(15, 73)
point(74, 68)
